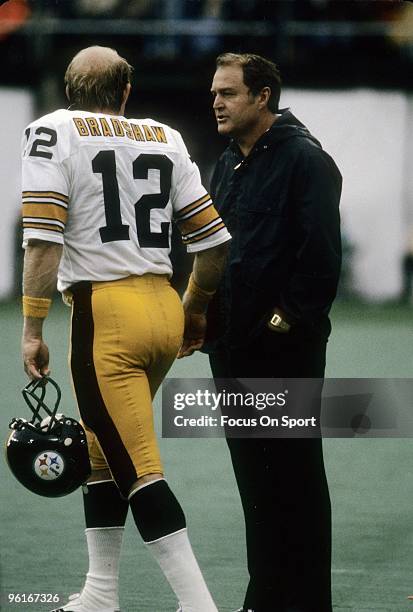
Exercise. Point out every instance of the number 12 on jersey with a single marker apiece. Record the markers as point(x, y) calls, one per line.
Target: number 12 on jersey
point(104, 163)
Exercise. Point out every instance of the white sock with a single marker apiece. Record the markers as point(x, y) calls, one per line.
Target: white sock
point(177, 561)
point(100, 592)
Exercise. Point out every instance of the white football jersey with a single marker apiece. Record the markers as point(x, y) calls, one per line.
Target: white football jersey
point(107, 188)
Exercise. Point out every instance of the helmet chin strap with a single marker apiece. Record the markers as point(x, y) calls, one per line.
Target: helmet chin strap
point(34, 393)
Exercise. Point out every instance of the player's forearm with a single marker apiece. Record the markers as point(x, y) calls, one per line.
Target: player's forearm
point(206, 274)
point(209, 265)
point(41, 262)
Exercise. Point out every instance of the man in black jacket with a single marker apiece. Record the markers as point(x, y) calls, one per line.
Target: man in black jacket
point(278, 193)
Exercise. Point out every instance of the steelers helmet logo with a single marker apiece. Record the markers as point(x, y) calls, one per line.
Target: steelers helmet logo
point(49, 465)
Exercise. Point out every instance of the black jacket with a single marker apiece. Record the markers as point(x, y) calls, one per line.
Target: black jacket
point(281, 205)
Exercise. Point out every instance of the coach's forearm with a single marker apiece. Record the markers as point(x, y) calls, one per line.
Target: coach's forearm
point(206, 274)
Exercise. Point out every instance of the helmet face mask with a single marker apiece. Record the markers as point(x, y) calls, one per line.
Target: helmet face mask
point(48, 454)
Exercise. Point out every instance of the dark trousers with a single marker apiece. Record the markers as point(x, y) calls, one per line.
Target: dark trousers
point(283, 488)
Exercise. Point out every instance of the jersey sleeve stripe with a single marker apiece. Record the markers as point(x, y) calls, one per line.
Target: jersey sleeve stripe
point(44, 226)
point(195, 211)
point(204, 228)
point(43, 220)
point(46, 194)
point(198, 220)
point(193, 205)
point(44, 201)
point(45, 210)
point(205, 234)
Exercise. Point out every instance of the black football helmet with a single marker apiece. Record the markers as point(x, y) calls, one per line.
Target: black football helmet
point(48, 454)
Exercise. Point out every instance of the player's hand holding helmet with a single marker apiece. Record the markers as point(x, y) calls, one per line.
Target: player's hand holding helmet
point(47, 454)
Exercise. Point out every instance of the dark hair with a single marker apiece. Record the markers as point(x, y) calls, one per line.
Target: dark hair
point(100, 86)
point(258, 73)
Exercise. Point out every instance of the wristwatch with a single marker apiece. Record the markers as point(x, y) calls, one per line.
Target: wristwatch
point(278, 324)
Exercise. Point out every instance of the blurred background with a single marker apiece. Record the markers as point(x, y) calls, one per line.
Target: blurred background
point(347, 73)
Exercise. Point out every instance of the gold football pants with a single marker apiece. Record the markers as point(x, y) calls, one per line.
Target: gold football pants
point(125, 336)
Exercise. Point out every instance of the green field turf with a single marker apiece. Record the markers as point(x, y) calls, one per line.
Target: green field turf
point(371, 482)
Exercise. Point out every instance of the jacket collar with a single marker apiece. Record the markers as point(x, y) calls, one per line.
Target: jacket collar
point(286, 126)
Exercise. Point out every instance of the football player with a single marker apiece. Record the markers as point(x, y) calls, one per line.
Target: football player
point(99, 194)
